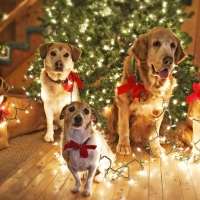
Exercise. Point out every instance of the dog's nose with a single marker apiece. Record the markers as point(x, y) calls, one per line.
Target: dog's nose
point(58, 65)
point(78, 119)
point(168, 60)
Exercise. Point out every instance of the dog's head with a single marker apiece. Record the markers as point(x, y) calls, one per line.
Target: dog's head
point(59, 58)
point(161, 49)
point(78, 115)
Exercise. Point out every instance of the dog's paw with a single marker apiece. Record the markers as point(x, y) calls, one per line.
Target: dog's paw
point(83, 175)
point(99, 178)
point(158, 151)
point(75, 190)
point(48, 138)
point(123, 149)
point(86, 193)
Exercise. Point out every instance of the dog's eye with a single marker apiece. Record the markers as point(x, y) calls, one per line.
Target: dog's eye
point(86, 111)
point(66, 55)
point(72, 109)
point(156, 44)
point(173, 45)
point(53, 53)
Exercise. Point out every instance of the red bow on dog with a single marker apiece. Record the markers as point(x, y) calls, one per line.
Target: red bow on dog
point(73, 77)
point(83, 148)
point(195, 95)
point(131, 84)
point(3, 112)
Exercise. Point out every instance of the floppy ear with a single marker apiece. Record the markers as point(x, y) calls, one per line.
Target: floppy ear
point(43, 49)
point(179, 53)
point(76, 53)
point(62, 114)
point(139, 49)
point(4, 87)
point(94, 116)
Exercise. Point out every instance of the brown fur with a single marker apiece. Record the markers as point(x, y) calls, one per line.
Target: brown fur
point(136, 119)
point(35, 120)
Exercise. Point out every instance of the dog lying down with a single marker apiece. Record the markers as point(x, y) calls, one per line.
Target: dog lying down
point(83, 145)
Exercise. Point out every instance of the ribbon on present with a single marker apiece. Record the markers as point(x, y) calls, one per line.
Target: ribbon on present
point(195, 95)
point(3, 112)
point(131, 84)
point(83, 148)
point(73, 77)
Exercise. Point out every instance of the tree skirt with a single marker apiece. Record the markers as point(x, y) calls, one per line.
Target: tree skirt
point(20, 150)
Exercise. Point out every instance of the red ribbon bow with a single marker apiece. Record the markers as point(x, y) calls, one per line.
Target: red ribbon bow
point(195, 95)
point(73, 77)
point(131, 84)
point(3, 112)
point(83, 148)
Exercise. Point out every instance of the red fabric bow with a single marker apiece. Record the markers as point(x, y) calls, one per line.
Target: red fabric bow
point(3, 112)
point(83, 148)
point(73, 77)
point(131, 84)
point(195, 95)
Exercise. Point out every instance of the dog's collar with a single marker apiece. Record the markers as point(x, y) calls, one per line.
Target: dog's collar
point(57, 81)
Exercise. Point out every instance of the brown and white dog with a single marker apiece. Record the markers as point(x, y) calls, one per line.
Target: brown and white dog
point(83, 145)
point(57, 81)
point(18, 116)
point(135, 115)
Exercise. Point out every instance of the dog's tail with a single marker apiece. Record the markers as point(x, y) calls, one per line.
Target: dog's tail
point(111, 114)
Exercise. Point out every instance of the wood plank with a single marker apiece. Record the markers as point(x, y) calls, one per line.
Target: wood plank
point(7, 184)
point(170, 180)
point(31, 162)
point(195, 174)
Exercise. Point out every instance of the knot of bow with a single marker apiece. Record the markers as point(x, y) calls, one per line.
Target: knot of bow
point(73, 77)
point(83, 148)
point(131, 84)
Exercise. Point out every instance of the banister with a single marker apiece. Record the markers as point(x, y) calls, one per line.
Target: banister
point(15, 13)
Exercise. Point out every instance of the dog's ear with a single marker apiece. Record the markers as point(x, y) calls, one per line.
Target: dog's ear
point(4, 87)
point(139, 49)
point(62, 114)
point(94, 116)
point(76, 52)
point(179, 53)
point(43, 49)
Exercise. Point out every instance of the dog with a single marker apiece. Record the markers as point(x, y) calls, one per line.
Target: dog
point(190, 129)
point(79, 130)
point(59, 84)
point(144, 92)
point(18, 116)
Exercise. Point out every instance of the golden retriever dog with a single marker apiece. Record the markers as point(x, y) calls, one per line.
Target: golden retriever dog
point(18, 116)
point(148, 84)
point(83, 145)
point(59, 82)
point(190, 129)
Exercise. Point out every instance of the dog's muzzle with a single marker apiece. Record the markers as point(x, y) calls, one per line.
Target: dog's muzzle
point(78, 120)
point(59, 66)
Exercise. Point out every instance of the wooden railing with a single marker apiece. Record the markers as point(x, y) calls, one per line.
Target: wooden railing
point(16, 12)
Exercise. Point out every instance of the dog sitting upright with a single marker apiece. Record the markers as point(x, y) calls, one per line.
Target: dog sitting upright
point(83, 145)
point(59, 82)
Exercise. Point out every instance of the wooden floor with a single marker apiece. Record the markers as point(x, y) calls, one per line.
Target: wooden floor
point(44, 177)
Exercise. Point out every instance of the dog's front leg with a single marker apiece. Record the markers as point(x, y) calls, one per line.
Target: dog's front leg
point(196, 138)
point(49, 116)
point(155, 146)
point(78, 184)
point(123, 146)
point(88, 185)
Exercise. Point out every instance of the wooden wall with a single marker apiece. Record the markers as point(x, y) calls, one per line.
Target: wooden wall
point(192, 27)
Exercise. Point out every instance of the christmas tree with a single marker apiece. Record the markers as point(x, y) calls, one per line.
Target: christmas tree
point(104, 31)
